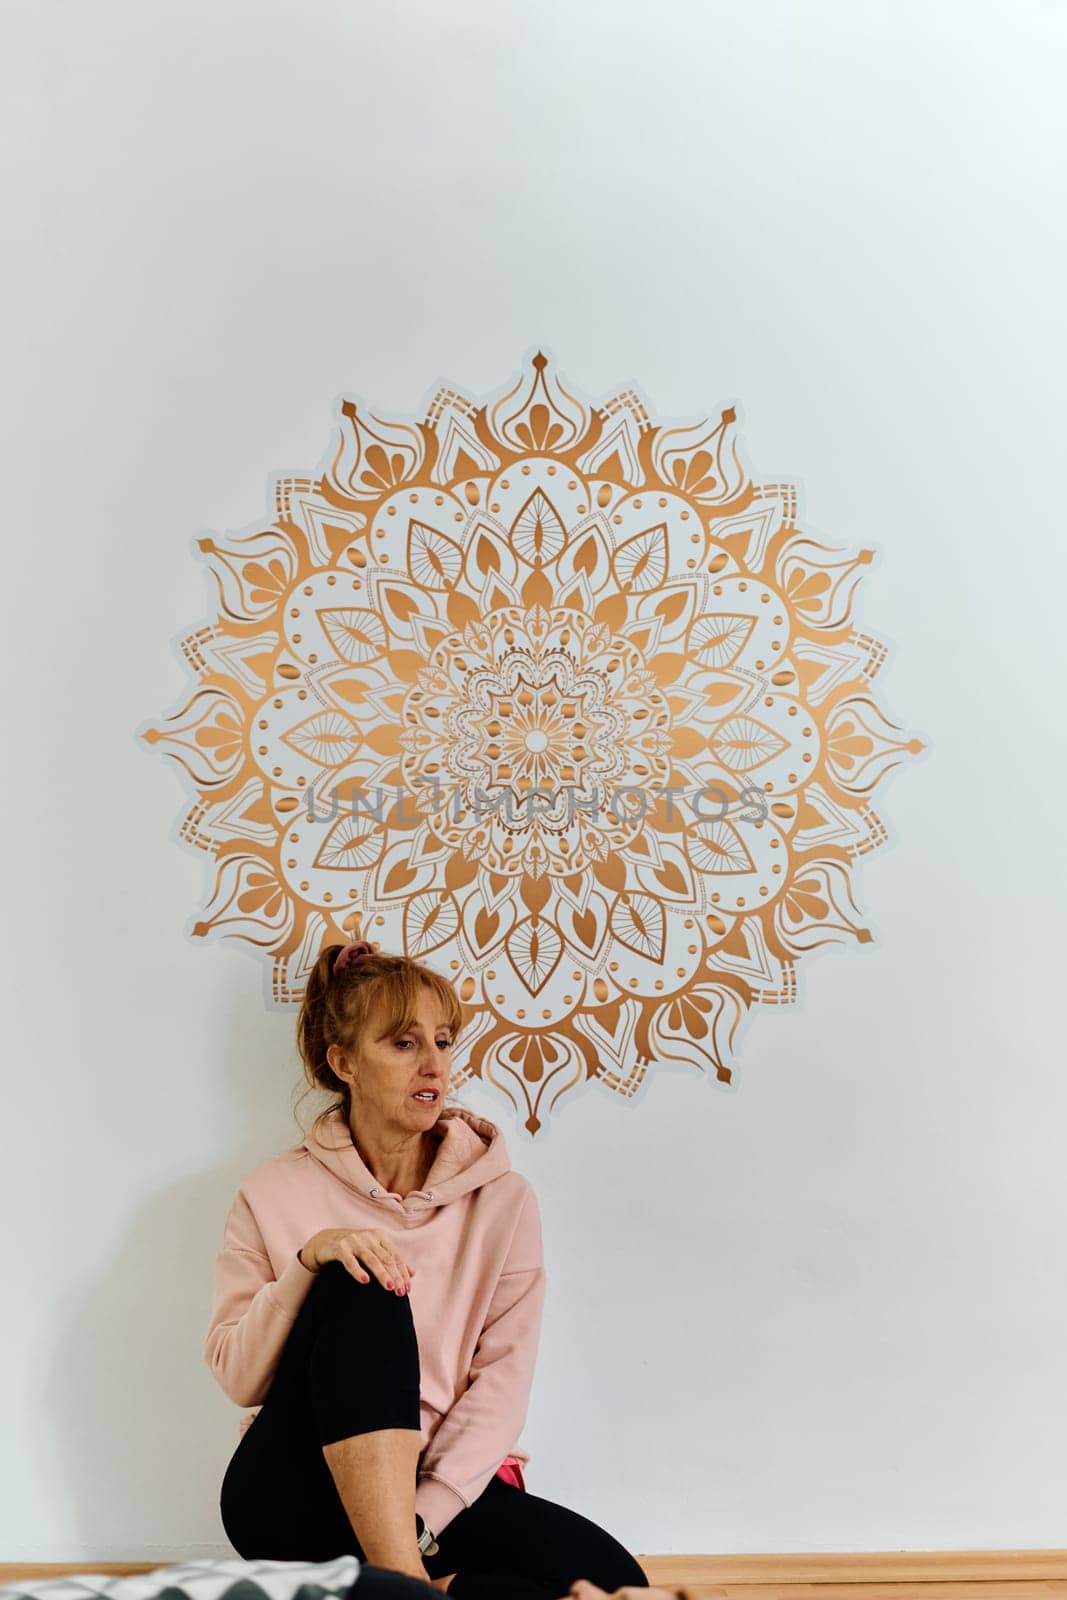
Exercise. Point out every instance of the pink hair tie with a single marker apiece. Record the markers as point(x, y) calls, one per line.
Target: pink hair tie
point(356, 951)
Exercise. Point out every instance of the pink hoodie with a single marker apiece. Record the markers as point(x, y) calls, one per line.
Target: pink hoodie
point(474, 1237)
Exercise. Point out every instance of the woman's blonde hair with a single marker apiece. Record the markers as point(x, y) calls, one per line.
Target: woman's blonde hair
point(338, 1008)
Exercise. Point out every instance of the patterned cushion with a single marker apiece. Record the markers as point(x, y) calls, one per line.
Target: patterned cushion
point(201, 1580)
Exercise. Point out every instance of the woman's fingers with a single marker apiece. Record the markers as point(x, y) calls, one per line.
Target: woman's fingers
point(351, 1262)
point(381, 1264)
point(366, 1262)
point(401, 1272)
point(363, 1256)
point(394, 1271)
point(386, 1266)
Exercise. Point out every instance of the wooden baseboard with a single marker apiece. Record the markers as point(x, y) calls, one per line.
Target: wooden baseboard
point(891, 1566)
point(936, 1567)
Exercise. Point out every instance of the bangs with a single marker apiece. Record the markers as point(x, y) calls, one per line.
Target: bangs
point(393, 999)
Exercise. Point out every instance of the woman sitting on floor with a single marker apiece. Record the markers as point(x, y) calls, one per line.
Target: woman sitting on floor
point(378, 1301)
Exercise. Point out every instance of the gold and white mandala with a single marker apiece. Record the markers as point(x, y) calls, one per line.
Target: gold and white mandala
point(554, 698)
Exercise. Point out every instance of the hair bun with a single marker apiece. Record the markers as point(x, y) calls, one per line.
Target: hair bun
point(356, 951)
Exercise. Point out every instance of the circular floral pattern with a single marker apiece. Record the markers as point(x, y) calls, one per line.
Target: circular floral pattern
point(554, 698)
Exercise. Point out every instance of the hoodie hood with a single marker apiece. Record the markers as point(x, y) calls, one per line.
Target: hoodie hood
point(470, 1152)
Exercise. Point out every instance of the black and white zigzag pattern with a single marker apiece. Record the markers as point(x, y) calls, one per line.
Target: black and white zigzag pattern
point(202, 1580)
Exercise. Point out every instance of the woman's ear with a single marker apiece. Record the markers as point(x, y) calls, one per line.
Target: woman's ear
point(341, 1064)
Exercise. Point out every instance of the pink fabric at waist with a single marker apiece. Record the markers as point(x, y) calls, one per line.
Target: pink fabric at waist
point(510, 1470)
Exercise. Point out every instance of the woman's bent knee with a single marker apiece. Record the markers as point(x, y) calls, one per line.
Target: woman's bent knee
point(336, 1285)
point(363, 1367)
point(365, 1306)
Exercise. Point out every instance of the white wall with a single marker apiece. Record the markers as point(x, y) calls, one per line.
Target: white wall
point(823, 1309)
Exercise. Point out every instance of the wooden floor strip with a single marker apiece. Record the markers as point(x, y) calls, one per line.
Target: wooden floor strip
point(864, 1575)
point(906, 1589)
point(866, 1566)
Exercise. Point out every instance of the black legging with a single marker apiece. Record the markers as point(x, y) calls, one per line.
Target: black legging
point(351, 1365)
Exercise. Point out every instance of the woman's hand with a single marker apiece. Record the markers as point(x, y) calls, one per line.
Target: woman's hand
point(356, 1248)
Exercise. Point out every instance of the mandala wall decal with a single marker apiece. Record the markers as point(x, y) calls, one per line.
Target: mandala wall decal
point(554, 697)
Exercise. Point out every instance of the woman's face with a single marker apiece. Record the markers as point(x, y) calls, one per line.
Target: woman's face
point(400, 1081)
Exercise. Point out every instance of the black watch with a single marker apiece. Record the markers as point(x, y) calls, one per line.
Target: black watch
point(428, 1545)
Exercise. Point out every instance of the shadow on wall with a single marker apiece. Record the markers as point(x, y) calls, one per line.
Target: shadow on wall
point(143, 1431)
